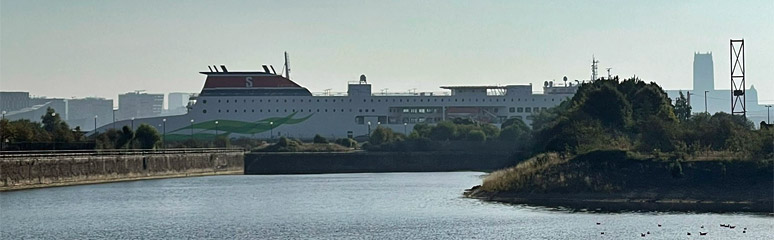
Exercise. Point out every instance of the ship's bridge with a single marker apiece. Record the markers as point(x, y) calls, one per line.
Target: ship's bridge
point(267, 83)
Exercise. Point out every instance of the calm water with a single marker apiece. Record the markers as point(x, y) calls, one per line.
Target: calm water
point(355, 206)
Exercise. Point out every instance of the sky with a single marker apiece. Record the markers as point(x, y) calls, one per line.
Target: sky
point(103, 48)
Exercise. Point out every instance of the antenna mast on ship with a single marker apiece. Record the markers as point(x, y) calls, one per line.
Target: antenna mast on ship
point(287, 66)
point(594, 62)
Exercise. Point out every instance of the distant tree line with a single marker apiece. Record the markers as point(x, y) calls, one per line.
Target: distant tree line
point(50, 133)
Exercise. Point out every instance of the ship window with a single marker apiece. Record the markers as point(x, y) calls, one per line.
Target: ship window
point(326, 100)
point(464, 99)
point(545, 99)
point(226, 101)
point(204, 101)
point(253, 110)
point(342, 110)
point(421, 100)
point(326, 110)
point(378, 100)
point(261, 100)
point(373, 110)
point(318, 100)
point(244, 110)
point(244, 100)
point(366, 110)
point(360, 110)
point(252, 100)
point(553, 99)
point(476, 99)
point(334, 110)
point(511, 99)
point(218, 110)
point(455, 100)
point(364, 100)
point(285, 100)
point(318, 110)
point(350, 110)
point(203, 111)
point(302, 110)
point(350, 100)
point(226, 110)
point(286, 110)
point(310, 110)
point(268, 110)
point(277, 110)
point(533, 99)
point(495, 110)
point(294, 110)
point(520, 109)
point(260, 110)
point(512, 109)
point(218, 100)
point(542, 109)
point(528, 109)
point(372, 100)
point(536, 109)
point(415, 100)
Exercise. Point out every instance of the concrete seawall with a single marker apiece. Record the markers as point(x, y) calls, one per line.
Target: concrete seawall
point(354, 162)
point(60, 169)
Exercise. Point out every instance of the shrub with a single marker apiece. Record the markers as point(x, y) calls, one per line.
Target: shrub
point(147, 137)
point(347, 142)
point(476, 136)
point(319, 139)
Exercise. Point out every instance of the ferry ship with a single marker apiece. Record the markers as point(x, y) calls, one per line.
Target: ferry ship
point(264, 104)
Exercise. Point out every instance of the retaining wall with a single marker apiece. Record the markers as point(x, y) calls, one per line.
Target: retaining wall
point(45, 170)
point(353, 162)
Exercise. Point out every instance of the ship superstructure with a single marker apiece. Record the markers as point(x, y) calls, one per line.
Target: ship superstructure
point(264, 104)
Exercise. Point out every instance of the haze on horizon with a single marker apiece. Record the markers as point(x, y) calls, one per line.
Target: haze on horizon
point(104, 48)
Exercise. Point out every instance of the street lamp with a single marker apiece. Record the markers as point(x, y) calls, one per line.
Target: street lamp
point(404, 128)
point(768, 114)
point(114, 118)
point(271, 128)
point(95, 123)
point(1, 133)
point(705, 101)
point(164, 135)
point(216, 128)
point(192, 121)
point(53, 114)
point(132, 123)
point(369, 129)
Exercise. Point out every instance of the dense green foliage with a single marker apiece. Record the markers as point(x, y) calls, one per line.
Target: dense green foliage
point(638, 116)
point(26, 134)
point(319, 139)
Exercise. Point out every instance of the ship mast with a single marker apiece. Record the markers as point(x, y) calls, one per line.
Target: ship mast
point(287, 66)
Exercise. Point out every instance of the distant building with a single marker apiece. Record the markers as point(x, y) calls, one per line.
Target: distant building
point(81, 112)
point(703, 72)
point(14, 101)
point(138, 104)
point(177, 103)
point(717, 100)
point(33, 113)
point(58, 104)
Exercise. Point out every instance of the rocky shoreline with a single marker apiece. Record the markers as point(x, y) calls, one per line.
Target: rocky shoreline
point(623, 202)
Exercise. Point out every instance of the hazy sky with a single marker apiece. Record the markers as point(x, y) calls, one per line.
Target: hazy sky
point(103, 48)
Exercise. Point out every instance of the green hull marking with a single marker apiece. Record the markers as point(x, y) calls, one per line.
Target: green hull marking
point(206, 130)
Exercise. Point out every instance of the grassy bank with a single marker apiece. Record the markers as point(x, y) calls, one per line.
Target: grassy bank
point(619, 180)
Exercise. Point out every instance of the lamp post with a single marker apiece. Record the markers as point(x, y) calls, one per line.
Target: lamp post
point(369, 129)
point(164, 134)
point(2, 140)
point(705, 101)
point(768, 114)
point(114, 118)
point(404, 128)
point(95, 124)
point(132, 123)
point(192, 121)
point(53, 145)
point(271, 128)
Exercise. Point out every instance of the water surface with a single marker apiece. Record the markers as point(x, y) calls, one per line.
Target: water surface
point(341, 206)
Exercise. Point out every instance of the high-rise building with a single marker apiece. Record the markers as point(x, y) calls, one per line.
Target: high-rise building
point(81, 112)
point(138, 104)
point(177, 102)
point(14, 101)
point(703, 72)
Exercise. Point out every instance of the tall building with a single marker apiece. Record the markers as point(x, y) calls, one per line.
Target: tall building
point(81, 112)
point(58, 104)
point(138, 104)
point(177, 102)
point(703, 72)
point(14, 101)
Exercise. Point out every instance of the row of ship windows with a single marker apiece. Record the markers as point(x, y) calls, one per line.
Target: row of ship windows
point(527, 109)
point(420, 110)
point(286, 110)
point(379, 100)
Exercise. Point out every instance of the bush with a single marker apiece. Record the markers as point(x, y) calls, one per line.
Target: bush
point(319, 139)
point(383, 135)
point(147, 137)
point(347, 142)
point(476, 136)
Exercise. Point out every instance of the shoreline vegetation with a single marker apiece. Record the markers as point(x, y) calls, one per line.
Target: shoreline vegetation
point(624, 146)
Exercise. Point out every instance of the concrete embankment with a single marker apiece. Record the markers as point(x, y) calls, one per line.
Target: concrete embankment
point(355, 162)
point(35, 170)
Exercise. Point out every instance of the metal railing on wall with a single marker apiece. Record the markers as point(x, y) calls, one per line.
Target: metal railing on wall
point(106, 152)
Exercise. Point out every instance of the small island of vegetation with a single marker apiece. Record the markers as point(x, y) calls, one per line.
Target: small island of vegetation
point(623, 145)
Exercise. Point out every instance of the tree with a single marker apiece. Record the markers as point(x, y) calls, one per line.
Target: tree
point(147, 137)
point(476, 136)
point(125, 138)
point(682, 109)
point(382, 135)
point(319, 139)
point(443, 131)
